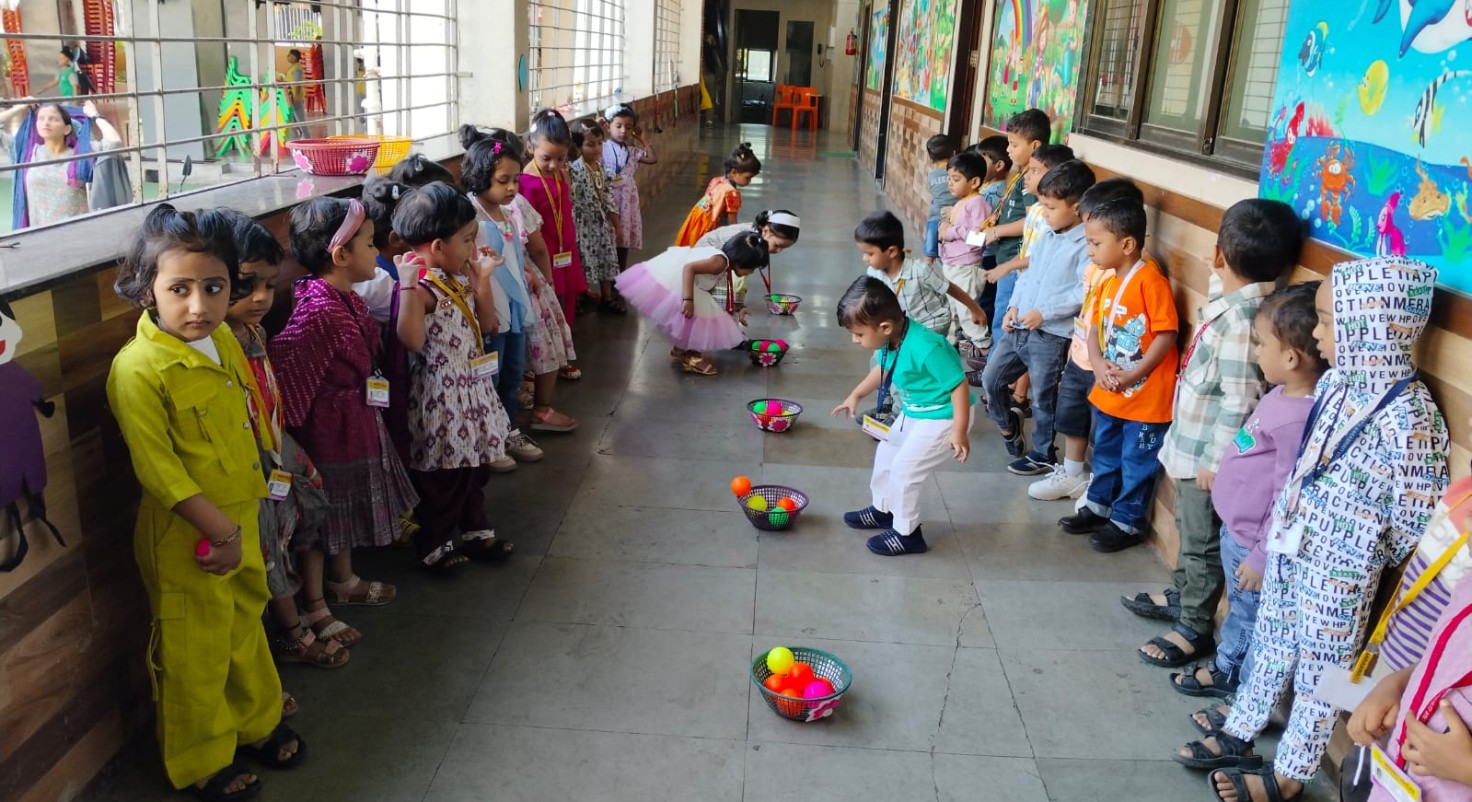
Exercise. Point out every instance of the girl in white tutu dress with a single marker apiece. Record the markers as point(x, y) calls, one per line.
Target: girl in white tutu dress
point(674, 289)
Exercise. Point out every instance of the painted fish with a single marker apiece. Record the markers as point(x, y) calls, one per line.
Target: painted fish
point(1428, 117)
point(1389, 241)
point(1374, 86)
point(1311, 53)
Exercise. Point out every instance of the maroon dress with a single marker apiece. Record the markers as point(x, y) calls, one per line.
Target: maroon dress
point(552, 198)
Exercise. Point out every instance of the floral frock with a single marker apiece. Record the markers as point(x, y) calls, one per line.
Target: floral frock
point(549, 341)
point(591, 206)
point(621, 163)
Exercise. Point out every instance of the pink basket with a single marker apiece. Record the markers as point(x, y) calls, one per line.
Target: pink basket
point(334, 156)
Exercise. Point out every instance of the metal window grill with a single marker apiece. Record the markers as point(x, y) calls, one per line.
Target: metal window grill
point(1122, 22)
point(1258, 52)
point(666, 44)
point(218, 100)
point(576, 62)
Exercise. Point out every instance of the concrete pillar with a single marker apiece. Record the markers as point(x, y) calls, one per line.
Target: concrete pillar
point(493, 52)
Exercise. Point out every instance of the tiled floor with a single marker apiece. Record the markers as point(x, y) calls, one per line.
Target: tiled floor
point(608, 660)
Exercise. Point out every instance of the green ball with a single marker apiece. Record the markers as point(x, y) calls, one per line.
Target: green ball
point(774, 348)
point(760, 408)
point(778, 517)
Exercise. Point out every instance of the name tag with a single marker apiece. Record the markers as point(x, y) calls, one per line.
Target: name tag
point(976, 239)
point(563, 259)
point(378, 392)
point(617, 181)
point(279, 485)
point(1391, 779)
point(484, 367)
point(875, 429)
point(1286, 541)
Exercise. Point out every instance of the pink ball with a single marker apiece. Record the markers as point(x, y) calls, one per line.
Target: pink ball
point(817, 689)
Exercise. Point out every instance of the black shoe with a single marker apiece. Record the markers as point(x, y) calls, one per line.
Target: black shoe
point(1016, 445)
point(890, 543)
point(1032, 464)
point(1083, 522)
point(1111, 538)
point(1022, 408)
point(868, 518)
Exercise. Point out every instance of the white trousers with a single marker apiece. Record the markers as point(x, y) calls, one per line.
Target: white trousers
point(969, 279)
point(914, 450)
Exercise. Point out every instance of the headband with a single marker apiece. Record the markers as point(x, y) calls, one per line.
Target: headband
point(614, 110)
point(350, 225)
point(785, 219)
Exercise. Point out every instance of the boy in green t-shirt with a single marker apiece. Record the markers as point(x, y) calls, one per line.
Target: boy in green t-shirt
point(934, 417)
point(1026, 132)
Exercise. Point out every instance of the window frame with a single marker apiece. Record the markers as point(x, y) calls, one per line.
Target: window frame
point(590, 21)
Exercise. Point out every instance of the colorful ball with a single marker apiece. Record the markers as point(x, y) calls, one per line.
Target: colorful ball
point(780, 660)
point(202, 547)
point(757, 503)
point(761, 407)
point(774, 683)
point(817, 689)
point(740, 486)
point(801, 672)
point(778, 517)
point(787, 504)
point(773, 347)
point(775, 408)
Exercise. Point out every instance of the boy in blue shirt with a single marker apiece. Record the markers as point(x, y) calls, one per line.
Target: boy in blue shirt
point(940, 148)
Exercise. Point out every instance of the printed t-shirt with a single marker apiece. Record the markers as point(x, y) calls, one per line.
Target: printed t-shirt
point(1133, 310)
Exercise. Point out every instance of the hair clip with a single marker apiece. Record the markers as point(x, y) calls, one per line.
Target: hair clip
point(496, 148)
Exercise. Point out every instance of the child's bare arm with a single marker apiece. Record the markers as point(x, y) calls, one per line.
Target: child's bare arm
point(978, 315)
point(536, 250)
point(414, 303)
point(960, 440)
point(216, 527)
point(1010, 266)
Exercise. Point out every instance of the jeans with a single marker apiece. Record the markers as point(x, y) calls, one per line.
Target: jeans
point(1073, 415)
point(512, 348)
point(1040, 355)
point(1125, 467)
point(932, 238)
point(999, 305)
point(1234, 653)
point(987, 298)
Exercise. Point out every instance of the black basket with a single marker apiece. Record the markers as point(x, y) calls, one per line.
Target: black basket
point(774, 518)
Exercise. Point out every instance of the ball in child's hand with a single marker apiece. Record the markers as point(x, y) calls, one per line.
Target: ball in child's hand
point(740, 486)
point(778, 517)
point(786, 504)
point(757, 503)
point(202, 548)
point(780, 660)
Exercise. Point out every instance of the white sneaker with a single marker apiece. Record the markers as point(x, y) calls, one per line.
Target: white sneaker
point(1059, 485)
point(522, 448)
point(503, 464)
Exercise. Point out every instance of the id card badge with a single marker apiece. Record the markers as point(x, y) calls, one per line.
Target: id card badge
point(377, 392)
point(875, 429)
point(1286, 541)
point(279, 485)
point(562, 260)
point(617, 181)
point(484, 367)
point(1391, 778)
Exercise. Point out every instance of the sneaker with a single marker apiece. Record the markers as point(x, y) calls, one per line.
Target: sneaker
point(503, 464)
point(1032, 464)
point(868, 518)
point(1083, 522)
point(1110, 538)
point(1059, 485)
point(522, 448)
point(1016, 445)
point(890, 543)
point(1022, 408)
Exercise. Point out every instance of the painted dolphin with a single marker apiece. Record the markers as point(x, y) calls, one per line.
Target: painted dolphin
point(1428, 25)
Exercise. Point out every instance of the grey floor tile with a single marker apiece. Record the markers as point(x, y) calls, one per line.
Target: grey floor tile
point(682, 484)
point(839, 448)
point(779, 772)
point(725, 441)
point(526, 764)
point(889, 609)
point(980, 717)
point(361, 757)
point(1042, 552)
point(968, 778)
point(1064, 615)
point(655, 535)
point(1134, 780)
point(999, 497)
point(485, 591)
point(658, 682)
point(618, 593)
point(821, 543)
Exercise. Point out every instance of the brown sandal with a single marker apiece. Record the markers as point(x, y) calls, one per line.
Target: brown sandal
point(308, 650)
point(327, 627)
point(359, 593)
point(695, 363)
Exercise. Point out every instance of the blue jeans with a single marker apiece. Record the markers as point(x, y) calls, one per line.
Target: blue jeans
point(512, 348)
point(1234, 653)
point(932, 238)
point(999, 306)
point(1125, 467)
point(1042, 356)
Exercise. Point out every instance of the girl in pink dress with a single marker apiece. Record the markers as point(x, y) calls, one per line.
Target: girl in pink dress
point(545, 184)
point(625, 152)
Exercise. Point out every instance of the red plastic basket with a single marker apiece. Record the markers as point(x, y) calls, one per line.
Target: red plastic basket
point(334, 156)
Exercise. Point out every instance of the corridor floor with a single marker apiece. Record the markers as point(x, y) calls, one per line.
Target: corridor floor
point(609, 659)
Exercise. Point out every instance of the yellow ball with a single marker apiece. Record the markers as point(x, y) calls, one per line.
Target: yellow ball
point(780, 660)
point(757, 503)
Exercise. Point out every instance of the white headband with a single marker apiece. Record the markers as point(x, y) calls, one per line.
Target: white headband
point(785, 219)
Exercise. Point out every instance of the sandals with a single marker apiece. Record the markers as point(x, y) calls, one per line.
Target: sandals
point(1238, 779)
point(1142, 606)
point(289, 706)
point(1175, 657)
point(1215, 720)
point(328, 627)
point(1235, 752)
point(570, 372)
point(488, 549)
point(357, 593)
point(268, 753)
point(214, 790)
point(307, 649)
point(613, 306)
point(694, 363)
point(447, 564)
point(550, 420)
point(1186, 683)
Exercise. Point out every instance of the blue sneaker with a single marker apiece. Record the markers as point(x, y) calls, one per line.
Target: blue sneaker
point(890, 543)
point(868, 518)
point(1032, 464)
point(1016, 445)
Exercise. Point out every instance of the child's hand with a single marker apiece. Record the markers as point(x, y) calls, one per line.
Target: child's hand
point(960, 444)
point(849, 407)
point(687, 308)
point(1031, 320)
point(614, 220)
point(1205, 479)
point(1118, 377)
point(995, 274)
point(979, 318)
point(532, 282)
point(1373, 719)
point(220, 560)
point(1447, 755)
point(1248, 579)
point(740, 315)
point(1009, 320)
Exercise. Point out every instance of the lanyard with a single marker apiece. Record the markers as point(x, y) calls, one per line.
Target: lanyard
point(894, 362)
point(996, 215)
point(555, 199)
point(1196, 340)
point(268, 413)
point(1106, 331)
point(1322, 465)
point(618, 168)
point(453, 291)
point(1420, 707)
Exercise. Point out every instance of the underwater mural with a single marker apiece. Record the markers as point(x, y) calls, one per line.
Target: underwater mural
point(922, 59)
point(1037, 48)
point(878, 42)
point(1367, 135)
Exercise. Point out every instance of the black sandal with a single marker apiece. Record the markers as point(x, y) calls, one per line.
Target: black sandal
point(1237, 777)
point(1235, 753)
point(1186, 683)
point(214, 790)
point(269, 753)
point(447, 564)
point(490, 549)
point(1175, 657)
point(1215, 720)
point(1142, 606)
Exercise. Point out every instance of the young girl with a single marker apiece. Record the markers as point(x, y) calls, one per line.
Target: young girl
point(625, 152)
point(549, 348)
point(327, 360)
point(673, 290)
point(779, 228)
point(595, 214)
point(544, 183)
point(179, 389)
point(456, 420)
point(722, 198)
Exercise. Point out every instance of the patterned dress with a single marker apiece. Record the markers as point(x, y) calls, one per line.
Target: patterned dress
point(551, 196)
point(621, 163)
point(549, 340)
point(455, 419)
point(591, 206)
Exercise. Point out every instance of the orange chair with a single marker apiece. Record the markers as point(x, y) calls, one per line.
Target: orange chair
point(783, 98)
point(807, 103)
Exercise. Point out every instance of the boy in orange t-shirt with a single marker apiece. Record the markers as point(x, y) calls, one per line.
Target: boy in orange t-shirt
point(1132, 348)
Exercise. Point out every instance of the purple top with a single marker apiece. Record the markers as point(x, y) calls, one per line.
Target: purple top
point(324, 358)
point(23, 466)
point(1255, 468)
point(966, 217)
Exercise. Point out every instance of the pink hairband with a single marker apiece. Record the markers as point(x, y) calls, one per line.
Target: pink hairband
point(350, 225)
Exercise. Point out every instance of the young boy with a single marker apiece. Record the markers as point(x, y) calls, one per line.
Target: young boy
point(961, 262)
point(1039, 321)
point(940, 148)
point(1360, 495)
point(1073, 416)
point(1026, 132)
point(933, 421)
point(1253, 471)
point(919, 285)
point(1132, 348)
point(1219, 384)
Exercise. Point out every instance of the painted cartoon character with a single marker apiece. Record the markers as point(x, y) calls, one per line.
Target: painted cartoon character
point(23, 460)
point(1335, 180)
point(1389, 241)
point(1429, 201)
point(1428, 25)
point(1278, 152)
point(1127, 350)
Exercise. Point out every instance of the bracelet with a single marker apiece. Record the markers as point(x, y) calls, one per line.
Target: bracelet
point(687, 299)
point(234, 536)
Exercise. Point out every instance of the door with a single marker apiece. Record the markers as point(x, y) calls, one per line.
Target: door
point(866, 17)
point(756, 64)
point(799, 51)
point(968, 67)
point(888, 87)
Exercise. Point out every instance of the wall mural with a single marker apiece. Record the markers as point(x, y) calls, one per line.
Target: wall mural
point(1036, 57)
point(878, 37)
point(1367, 135)
point(922, 59)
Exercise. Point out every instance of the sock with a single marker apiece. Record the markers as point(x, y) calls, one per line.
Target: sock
point(1073, 467)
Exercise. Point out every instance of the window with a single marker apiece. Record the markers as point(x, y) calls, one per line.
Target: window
point(242, 79)
point(577, 54)
point(755, 65)
point(666, 44)
point(1190, 76)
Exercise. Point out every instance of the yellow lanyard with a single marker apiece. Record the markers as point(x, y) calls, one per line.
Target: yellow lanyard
point(555, 198)
point(458, 297)
point(1006, 193)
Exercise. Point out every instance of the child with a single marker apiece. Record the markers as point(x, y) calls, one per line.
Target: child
point(595, 215)
point(626, 150)
point(940, 148)
point(1132, 347)
point(919, 285)
point(544, 183)
point(1073, 416)
point(1253, 471)
point(722, 199)
point(418, 170)
point(935, 414)
point(1039, 320)
point(327, 360)
point(779, 227)
point(295, 501)
point(1219, 384)
point(179, 392)
point(1370, 469)
point(961, 262)
point(673, 290)
point(1026, 132)
point(998, 165)
point(455, 418)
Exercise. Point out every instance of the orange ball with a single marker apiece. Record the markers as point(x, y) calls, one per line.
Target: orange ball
point(801, 673)
point(787, 504)
point(774, 683)
point(740, 486)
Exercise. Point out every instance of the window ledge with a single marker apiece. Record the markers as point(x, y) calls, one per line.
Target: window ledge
point(1202, 179)
point(32, 260)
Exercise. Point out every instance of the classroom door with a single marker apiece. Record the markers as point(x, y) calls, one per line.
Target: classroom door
point(756, 64)
point(799, 51)
point(967, 72)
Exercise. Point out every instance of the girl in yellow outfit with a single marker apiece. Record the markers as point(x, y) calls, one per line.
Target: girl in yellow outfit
point(179, 392)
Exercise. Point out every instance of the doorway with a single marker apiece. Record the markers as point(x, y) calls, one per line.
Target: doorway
point(968, 68)
point(861, 64)
point(887, 87)
point(799, 51)
point(756, 64)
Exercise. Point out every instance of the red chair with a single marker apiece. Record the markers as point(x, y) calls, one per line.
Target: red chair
point(807, 103)
point(783, 98)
